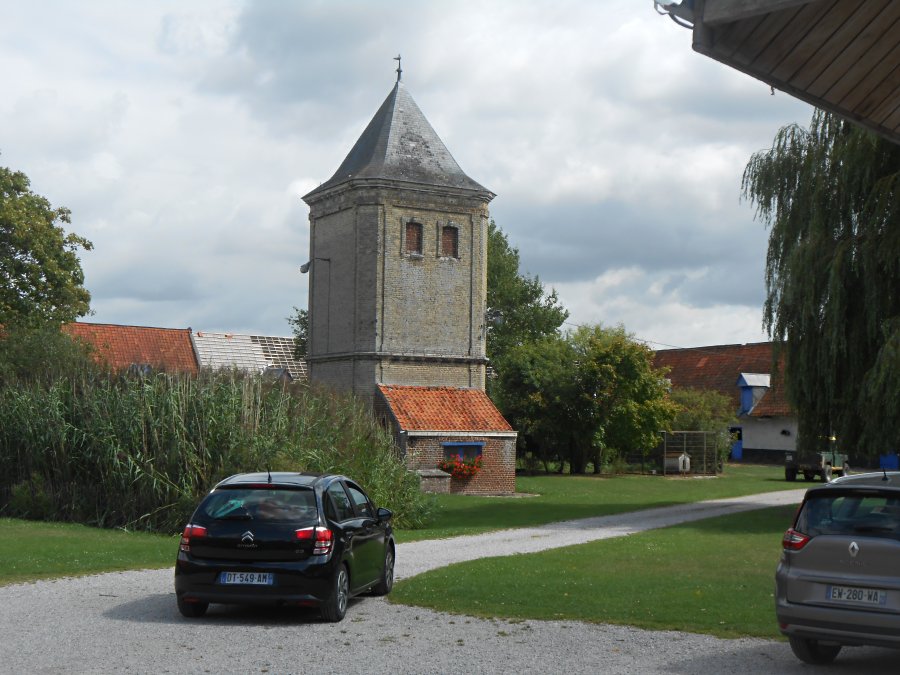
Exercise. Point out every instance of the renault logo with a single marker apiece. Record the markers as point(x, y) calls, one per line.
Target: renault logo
point(854, 549)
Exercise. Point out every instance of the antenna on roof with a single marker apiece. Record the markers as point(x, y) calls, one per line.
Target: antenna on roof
point(268, 471)
point(399, 69)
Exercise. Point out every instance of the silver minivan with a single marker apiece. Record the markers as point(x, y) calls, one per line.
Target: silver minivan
point(838, 581)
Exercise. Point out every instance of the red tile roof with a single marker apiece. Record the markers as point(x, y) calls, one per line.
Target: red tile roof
point(168, 349)
point(443, 409)
point(718, 368)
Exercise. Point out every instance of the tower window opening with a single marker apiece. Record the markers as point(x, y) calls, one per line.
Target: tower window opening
point(450, 241)
point(413, 238)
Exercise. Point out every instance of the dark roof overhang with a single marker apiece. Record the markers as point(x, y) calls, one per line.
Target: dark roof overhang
point(839, 55)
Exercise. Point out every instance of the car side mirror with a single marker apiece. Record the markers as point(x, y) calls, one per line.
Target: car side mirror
point(384, 514)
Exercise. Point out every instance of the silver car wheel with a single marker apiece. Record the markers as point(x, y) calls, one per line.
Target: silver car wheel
point(334, 608)
point(342, 590)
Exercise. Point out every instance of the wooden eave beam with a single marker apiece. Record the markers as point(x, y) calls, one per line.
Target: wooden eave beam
point(718, 12)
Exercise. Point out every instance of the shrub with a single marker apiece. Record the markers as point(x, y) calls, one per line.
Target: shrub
point(614, 463)
point(139, 452)
point(29, 499)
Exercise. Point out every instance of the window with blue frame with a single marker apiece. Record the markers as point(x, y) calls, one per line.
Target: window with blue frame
point(463, 451)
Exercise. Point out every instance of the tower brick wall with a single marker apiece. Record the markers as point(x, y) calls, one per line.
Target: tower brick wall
point(419, 318)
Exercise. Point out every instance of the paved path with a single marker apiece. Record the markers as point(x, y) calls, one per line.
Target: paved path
point(128, 623)
point(418, 557)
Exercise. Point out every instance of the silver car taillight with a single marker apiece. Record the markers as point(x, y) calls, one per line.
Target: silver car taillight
point(794, 540)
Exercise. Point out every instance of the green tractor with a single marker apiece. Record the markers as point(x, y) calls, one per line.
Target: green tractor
point(826, 464)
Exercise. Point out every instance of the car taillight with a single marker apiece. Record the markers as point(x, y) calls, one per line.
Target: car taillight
point(322, 538)
point(794, 540)
point(191, 532)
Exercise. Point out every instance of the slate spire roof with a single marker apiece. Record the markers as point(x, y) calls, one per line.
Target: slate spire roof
point(400, 145)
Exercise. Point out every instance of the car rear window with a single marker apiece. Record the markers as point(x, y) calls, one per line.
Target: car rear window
point(874, 514)
point(269, 504)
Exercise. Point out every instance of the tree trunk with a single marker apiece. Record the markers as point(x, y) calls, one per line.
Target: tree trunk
point(577, 458)
point(598, 460)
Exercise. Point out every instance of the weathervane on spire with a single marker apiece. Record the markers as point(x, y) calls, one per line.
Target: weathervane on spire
point(399, 69)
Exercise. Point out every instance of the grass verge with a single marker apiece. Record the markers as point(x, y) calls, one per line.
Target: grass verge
point(31, 550)
point(569, 497)
point(712, 576)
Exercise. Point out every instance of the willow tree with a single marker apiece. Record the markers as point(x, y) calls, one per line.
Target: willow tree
point(831, 197)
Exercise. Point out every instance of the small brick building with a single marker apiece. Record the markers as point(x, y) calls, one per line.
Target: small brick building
point(398, 281)
point(434, 423)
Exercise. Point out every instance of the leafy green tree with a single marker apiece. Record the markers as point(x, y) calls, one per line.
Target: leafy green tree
point(701, 410)
point(831, 196)
point(533, 390)
point(299, 322)
point(41, 352)
point(519, 310)
point(638, 405)
point(576, 396)
point(40, 273)
point(704, 410)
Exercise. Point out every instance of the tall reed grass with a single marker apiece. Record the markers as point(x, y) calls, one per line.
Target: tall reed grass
point(139, 451)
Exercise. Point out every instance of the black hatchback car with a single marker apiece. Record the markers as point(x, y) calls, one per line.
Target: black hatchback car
point(284, 539)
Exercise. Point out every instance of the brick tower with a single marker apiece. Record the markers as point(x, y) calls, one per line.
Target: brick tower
point(397, 293)
point(398, 247)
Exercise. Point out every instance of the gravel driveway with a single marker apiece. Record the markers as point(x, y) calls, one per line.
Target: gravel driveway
point(128, 623)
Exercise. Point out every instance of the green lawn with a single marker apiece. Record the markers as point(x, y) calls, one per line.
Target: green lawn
point(712, 576)
point(31, 550)
point(570, 497)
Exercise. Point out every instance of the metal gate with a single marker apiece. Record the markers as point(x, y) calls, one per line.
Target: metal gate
point(701, 448)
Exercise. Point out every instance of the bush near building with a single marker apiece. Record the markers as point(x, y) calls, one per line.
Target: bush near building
point(133, 451)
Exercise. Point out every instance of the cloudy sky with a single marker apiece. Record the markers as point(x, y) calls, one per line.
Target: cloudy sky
point(182, 135)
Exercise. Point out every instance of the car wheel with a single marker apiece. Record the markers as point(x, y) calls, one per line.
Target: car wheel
point(386, 583)
point(192, 610)
point(813, 651)
point(790, 475)
point(826, 474)
point(335, 607)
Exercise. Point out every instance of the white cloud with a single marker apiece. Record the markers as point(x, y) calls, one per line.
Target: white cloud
point(655, 312)
point(182, 136)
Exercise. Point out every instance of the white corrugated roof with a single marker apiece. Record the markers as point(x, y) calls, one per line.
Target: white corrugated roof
point(247, 352)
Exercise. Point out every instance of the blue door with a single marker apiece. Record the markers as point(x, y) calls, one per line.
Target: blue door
point(737, 447)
